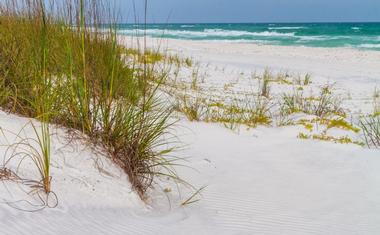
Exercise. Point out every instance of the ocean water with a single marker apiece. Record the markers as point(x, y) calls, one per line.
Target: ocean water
point(355, 35)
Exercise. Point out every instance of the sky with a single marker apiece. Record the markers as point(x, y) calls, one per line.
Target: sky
point(251, 11)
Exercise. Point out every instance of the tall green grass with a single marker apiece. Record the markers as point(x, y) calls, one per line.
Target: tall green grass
point(371, 124)
point(61, 65)
point(371, 130)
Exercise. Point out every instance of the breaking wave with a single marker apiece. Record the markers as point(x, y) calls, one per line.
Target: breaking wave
point(205, 33)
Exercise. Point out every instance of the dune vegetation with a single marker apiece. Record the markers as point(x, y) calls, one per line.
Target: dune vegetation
point(276, 100)
point(60, 63)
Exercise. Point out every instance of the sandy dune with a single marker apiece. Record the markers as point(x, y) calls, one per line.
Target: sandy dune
point(259, 181)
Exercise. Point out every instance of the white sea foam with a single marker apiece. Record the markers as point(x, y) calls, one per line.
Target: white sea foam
point(187, 26)
point(274, 28)
point(313, 38)
point(322, 38)
point(369, 45)
point(206, 33)
point(221, 32)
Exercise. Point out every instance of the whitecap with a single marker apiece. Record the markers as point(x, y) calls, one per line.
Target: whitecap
point(274, 28)
point(187, 26)
point(221, 32)
point(313, 38)
point(203, 34)
point(369, 45)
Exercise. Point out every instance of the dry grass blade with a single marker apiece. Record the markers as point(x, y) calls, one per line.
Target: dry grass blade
point(8, 175)
point(191, 199)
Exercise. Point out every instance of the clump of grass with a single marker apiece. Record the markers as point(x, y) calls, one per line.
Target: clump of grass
point(371, 130)
point(195, 77)
point(258, 111)
point(35, 150)
point(188, 62)
point(327, 103)
point(70, 71)
point(376, 102)
point(193, 108)
point(42, 160)
point(303, 81)
point(294, 103)
point(371, 124)
point(323, 105)
point(265, 87)
point(307, 80)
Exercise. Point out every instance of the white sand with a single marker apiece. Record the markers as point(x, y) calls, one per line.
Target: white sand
point(261, 181)
point(335, 63)
point(356, 72)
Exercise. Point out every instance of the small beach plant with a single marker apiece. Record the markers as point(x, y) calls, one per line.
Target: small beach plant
point(371, 130)
point(265, 86)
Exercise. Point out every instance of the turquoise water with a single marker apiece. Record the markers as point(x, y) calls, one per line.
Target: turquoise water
point(354, 35)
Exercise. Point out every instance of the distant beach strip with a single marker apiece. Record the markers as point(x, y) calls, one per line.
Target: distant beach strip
point(352, 35)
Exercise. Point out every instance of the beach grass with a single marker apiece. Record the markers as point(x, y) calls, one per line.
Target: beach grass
point(371, 130)
point(321, 105)
point(293, 103)
point(60, 64)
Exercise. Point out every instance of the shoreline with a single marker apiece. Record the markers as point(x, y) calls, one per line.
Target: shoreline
point(255, 43)
point(232, 42)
